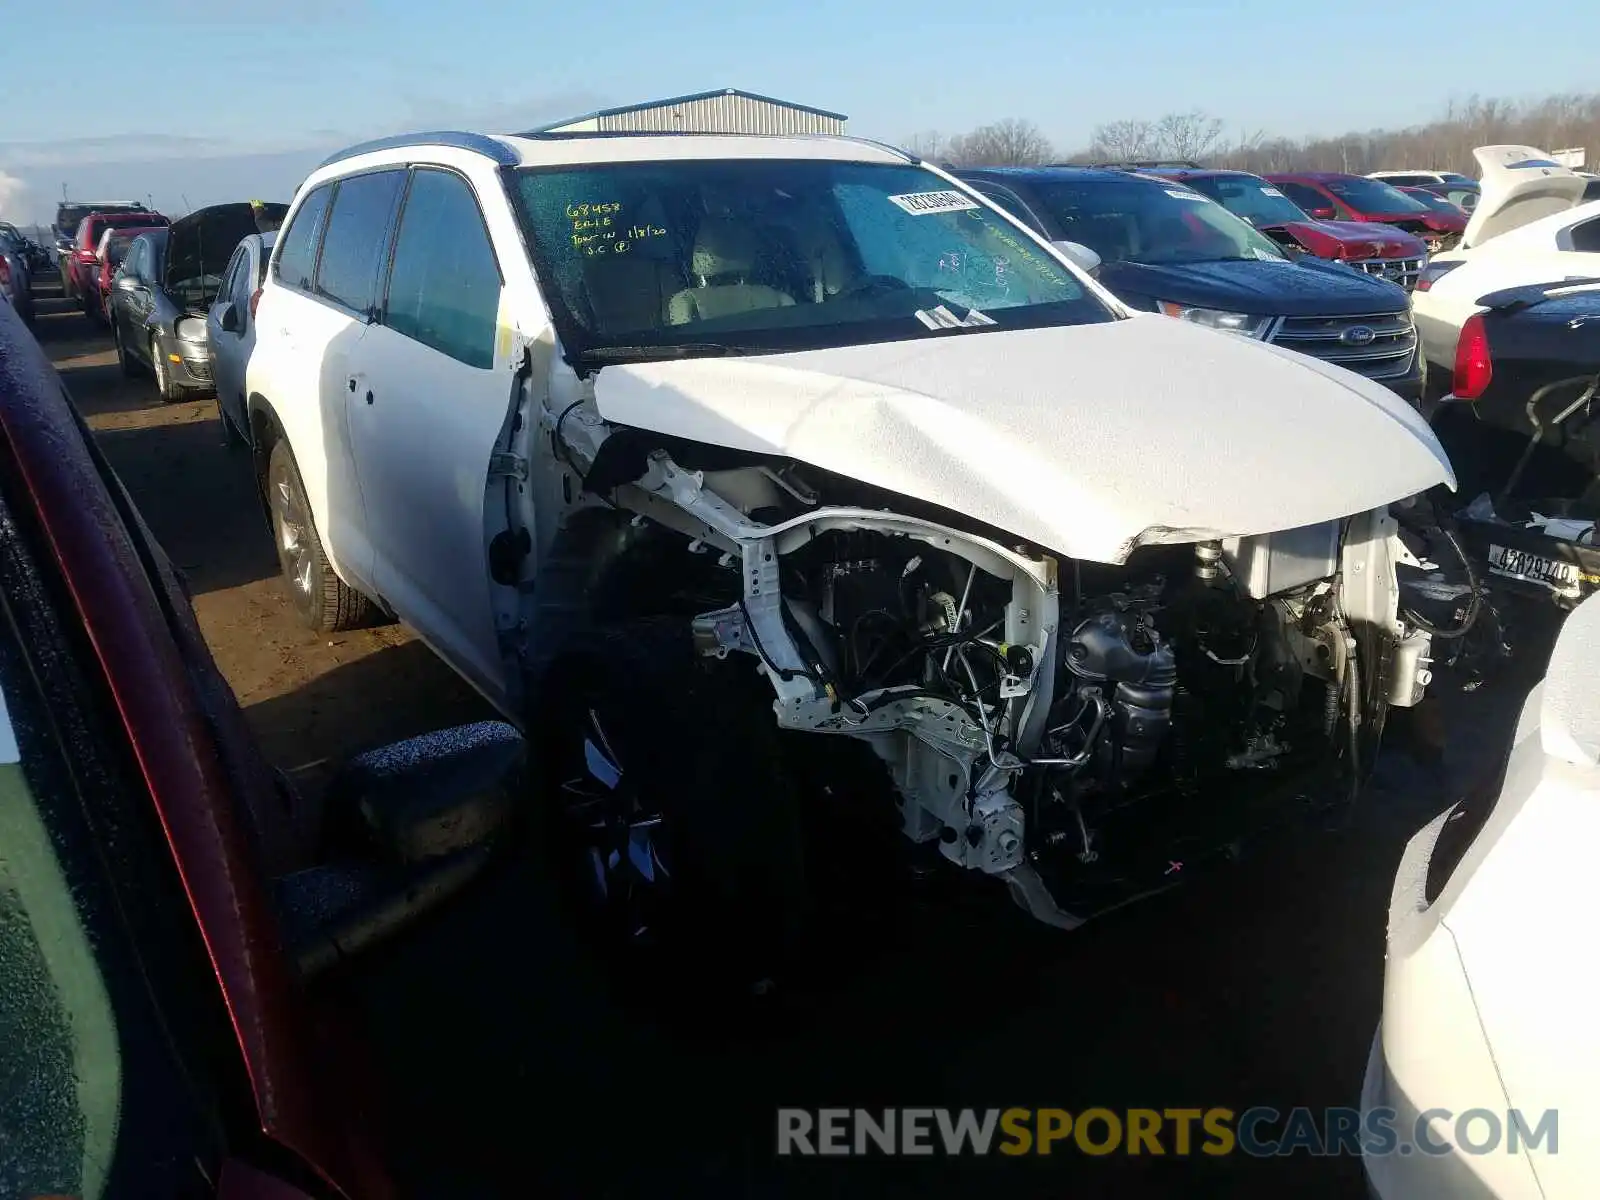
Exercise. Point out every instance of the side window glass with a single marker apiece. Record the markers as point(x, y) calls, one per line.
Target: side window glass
point(230, 277)
point(1306, 197)
point(299, 254)
point(1010, 202)
point(356, 239)
point(444, 290)
point(1586, 236)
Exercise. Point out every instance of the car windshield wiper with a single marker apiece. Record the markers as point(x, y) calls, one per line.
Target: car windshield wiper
point(600, 355)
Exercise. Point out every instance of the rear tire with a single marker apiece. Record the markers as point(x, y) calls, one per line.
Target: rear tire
point(701, 802)
point(323, 602)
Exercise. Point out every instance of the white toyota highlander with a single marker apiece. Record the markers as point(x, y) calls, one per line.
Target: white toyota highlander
point(680, 446)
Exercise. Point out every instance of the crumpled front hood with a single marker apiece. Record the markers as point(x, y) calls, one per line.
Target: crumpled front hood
point(1363, 240)
point(1089, 439)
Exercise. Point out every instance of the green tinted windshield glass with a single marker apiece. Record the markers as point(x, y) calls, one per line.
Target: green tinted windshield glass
point(780, 253)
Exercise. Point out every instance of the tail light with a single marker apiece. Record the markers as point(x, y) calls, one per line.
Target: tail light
point(5, 272)
point(1474, 368)
point(255, 301)
point(84, 256)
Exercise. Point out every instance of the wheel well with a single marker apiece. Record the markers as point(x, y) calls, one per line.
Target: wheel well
point(603, 568)
point(264, 434)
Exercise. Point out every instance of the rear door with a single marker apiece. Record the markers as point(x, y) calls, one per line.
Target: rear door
point(326, 270)
point(427, 400)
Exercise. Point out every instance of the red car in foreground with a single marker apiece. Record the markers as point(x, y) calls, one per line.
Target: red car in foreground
point(167, 903)
point(1336, 196)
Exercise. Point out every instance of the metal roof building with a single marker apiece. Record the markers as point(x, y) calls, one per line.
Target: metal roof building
point(726, 111)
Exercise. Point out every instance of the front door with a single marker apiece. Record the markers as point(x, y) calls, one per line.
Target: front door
point(427, 395)
point(227, 345)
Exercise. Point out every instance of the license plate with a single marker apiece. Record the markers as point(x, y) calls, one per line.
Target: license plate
point(1552, 573)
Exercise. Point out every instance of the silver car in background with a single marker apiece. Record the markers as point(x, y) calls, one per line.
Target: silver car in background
point(231, 330)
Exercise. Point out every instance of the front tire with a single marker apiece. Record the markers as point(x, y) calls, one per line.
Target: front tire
point(125, 362)
point(323, 602)
point(675, 828)
point(171, 391)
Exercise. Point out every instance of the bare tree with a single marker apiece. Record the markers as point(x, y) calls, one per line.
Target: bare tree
point(1122, 140)
point(1012, 142)
point(928, 144)
point(1190, 135)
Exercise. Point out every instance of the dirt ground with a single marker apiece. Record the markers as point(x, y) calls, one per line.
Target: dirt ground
point(510, 1072)
point(311, 700)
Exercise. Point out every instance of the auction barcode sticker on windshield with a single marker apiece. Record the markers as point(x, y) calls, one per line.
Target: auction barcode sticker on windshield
point(1271, 191)
point(919, 203)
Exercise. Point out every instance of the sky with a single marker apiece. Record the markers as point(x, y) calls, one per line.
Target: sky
point(225, 100)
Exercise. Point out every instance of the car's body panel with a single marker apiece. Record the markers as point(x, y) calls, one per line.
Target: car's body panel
point(230, 349)
point(1530, 227)
point(1308, 288)
point(1487, 986)
point(1042, 434)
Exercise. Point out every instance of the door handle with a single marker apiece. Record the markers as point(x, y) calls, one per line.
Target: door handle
point(369, 395)
point(352, 384)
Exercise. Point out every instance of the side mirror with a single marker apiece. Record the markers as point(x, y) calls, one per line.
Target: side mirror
point(405, 827)
point(1324, 213)
point(1080, 254)
point(230, 318)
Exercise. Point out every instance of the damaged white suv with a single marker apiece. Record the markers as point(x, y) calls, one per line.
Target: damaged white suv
point(673, 444)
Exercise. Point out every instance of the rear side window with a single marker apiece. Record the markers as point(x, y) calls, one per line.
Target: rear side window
point(444, 290)
point(298, 257)
point(356, 239)
point(1586, 236)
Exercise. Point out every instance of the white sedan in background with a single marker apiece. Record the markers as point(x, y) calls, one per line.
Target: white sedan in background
point(1489, 999)
point(1530, 226)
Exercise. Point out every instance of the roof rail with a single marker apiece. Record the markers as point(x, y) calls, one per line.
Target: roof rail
point(478, 143)
point(1142, 164)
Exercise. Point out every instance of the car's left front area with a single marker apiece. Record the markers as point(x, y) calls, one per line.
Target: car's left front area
point(505, 1065)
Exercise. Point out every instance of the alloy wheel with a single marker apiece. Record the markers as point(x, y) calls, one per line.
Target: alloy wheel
point(616, 838)
point(293, 529)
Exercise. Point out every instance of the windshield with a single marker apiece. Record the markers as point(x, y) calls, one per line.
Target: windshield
point(776, 254)
point(1438, 203)
point(1373, 195)
point(1255, 200)
point(1139, 220)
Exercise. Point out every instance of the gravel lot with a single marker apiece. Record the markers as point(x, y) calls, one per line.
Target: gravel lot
point(510, 1071)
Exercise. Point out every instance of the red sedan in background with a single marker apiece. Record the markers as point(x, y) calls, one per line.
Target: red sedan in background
point(167, 903)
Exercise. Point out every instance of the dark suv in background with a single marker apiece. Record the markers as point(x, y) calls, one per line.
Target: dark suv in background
point(70, 214)
point(1164, 247)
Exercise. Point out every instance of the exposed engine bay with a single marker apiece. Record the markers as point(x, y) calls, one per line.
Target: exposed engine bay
point(1025, 705)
